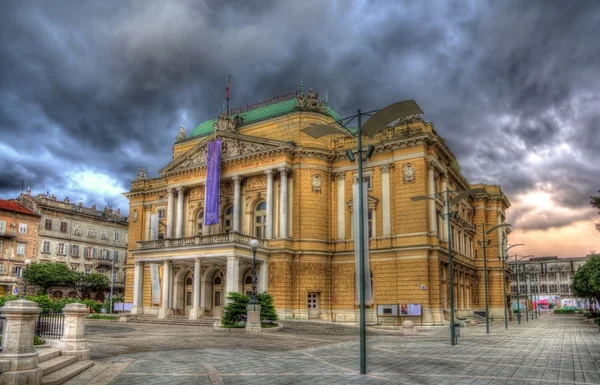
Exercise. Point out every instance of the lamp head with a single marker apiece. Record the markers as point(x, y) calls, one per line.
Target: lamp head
point(254, 243)
point(350, 155)
point(370, 149)
point(28, 262)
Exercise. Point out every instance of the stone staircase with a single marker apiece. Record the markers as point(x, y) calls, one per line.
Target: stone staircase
point(471, 320)
point(57, 369)
point(172, 320)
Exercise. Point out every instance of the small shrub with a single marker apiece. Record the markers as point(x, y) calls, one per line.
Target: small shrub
point(37, 340)
point(235, 311)
point(102, 316)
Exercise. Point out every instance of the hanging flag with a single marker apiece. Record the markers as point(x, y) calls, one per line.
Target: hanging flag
point(153, 227)
point(365, 235)
point(213, 182)
point(155, 283)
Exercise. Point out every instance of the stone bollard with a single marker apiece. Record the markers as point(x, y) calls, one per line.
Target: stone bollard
point(253, 319)
point(73, 342)
point(17, 343)
point(408, 328)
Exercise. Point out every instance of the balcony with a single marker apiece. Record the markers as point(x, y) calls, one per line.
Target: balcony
point(198, 240)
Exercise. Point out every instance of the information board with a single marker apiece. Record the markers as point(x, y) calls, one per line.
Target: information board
point(387, 310)
point(410, 310)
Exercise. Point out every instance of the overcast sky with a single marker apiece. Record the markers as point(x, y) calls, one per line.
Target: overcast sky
point(92, 91)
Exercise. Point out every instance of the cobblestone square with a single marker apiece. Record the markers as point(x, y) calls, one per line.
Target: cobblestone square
point(551, 350)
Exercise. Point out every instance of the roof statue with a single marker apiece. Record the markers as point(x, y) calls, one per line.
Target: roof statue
point(310, 102)
point(225, 123)
point(182, 135)
point(141, 175)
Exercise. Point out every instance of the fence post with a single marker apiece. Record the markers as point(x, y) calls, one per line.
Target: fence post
point(73, 341)
point(17, 343)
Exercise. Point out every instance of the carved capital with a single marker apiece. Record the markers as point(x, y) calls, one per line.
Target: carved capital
point(340, 176)
point(430, 165)
point(171, 191)
point(148, 207)
point(284, 170)
point(237, 179)
point(181, 190)
point(270, 173)
point(386, 168)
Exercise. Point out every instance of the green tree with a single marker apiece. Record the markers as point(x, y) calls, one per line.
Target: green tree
point(47, 275)
point(267, 309)
point(84, 283)
point(236, 309)
point(596, 203)
point(586, 282)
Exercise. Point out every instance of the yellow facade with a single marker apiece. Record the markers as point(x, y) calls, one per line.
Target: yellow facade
point(306, 260)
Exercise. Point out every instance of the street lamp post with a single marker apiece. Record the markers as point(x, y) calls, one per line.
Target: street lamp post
point(519, 288)
point(503, 258)
point(27, 263)
point(379, 119)
point(484, 245)
point(253, 299)
point(449, 214)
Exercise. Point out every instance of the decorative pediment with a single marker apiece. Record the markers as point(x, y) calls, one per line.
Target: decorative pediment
point(372, 203)
point(231, 148)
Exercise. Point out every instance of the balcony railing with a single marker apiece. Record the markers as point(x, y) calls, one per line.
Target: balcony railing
point(198, 240)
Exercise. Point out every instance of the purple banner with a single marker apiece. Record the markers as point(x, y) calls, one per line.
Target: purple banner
point(213, 182)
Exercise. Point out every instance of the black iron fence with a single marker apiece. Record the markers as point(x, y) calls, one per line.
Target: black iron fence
point(50, 325)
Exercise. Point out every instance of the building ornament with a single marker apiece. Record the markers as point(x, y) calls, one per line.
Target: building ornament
point(135, 215)
point(316, 181)
point(310, 102)
point(386, 168)
point(256, 183)
point(141, 175)
point(225, 123)
point(409, 173)
point(182, 135)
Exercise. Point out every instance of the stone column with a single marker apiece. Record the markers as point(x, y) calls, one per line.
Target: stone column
point(385, 201)
point(233, 275)
point(148, 209)
point(164, 305)
point(341, 205)
point(431, 187)
point(179, 227)
point(170, 286)
point(195, 311)
point(263, 279)
point(138, 289)
point(237, 200)
point(283, 202)
point(444, 234)
point(170, 214)
point(73, 341)
point(17, 343)
point(269, 224)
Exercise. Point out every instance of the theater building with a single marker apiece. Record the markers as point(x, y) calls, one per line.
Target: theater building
point(293, 193)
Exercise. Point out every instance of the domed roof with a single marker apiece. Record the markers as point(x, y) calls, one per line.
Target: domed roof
point(260, 111)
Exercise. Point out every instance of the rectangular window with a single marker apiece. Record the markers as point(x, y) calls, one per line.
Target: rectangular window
point(18, 271)
point(63, 227)
point(46, 247)
point(2, 227)
point(94, 253)
point(101, 271)
point(116, 256)
point(117, 236)
point(23, 228)
point(370, 222)
point(20, 249)
point(48, 224)
point(74, 268)
point(161, 214)
point(1, 269)
point(1, 246)
point(60, 249)
point(114, 279)
point(88, 270)
point(75, 250)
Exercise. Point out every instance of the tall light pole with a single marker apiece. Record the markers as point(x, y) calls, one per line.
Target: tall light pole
point(484, 245)
point(27, 263)
point(518, 287)
point(503, 257)
point(379, 119)
point(450, 214)
point(112, 271)
point(254, 245)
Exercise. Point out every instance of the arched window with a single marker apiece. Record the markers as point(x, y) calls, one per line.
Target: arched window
point(248, 283)
point(189, 281)
point(228, 219)
point(260, 219)
point(217, 281)
point(199, 222)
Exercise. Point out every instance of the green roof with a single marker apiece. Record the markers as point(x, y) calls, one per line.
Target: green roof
point(258, 114)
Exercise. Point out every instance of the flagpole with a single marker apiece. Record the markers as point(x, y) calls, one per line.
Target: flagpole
point(228, 89)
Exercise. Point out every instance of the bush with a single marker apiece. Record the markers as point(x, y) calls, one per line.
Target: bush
point(235, 311)
point(48, 303)
point(267, 309)
point(102, 316)
point(564, 311)
point(37, 340)
point(597, 321)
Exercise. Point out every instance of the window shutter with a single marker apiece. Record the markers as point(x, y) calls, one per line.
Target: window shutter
point(2, 227)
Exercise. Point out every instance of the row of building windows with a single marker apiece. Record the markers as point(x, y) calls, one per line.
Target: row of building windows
point(554, 288)
point(22, 227)
point(543, 277)
point(91, 232)
point(75, 251)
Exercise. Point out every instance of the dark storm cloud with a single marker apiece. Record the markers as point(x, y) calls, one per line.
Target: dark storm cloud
point(104, 86)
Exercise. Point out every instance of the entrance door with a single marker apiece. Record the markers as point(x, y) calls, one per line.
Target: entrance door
point(188, 303)
point(217, 297)
point(313, 305)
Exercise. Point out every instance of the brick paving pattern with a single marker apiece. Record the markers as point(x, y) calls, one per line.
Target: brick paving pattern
point(552, 350)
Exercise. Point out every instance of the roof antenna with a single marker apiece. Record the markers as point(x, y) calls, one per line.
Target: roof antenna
point(326, 98)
